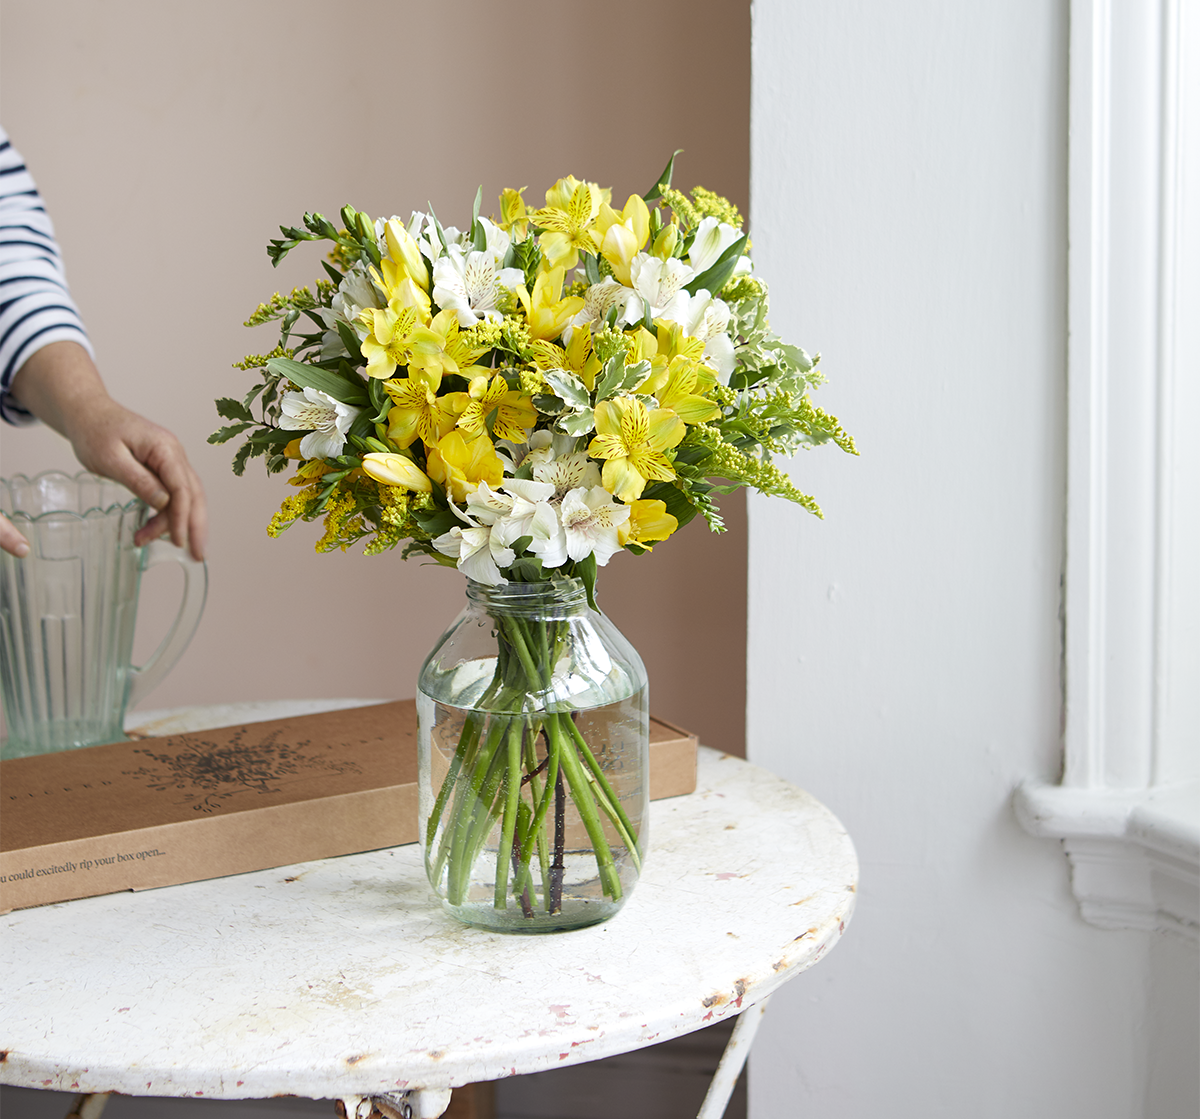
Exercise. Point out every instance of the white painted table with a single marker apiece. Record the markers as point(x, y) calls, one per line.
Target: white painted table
point(343, 978)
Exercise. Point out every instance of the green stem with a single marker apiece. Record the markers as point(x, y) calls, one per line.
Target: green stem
point(512, 789)
point(610, 802)
point(585, 805)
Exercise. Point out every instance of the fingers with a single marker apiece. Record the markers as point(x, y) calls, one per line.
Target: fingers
point(151, 462)
point(11, 540)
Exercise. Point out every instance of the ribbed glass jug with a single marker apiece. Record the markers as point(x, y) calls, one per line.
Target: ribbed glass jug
point(68, 608)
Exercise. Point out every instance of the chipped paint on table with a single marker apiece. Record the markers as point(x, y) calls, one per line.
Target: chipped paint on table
point(345, 976)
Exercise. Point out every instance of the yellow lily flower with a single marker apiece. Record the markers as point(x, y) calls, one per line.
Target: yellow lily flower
point(440, 348)
point(458, 465)
point(567, 222)
point(648, 520)
point(417, 411)
point(514, 214)
point(547, 312)
point(632, 440)
point(577, 358)
point(398, 471)
point(388, 343)
point(621, 235)
point(515, 413)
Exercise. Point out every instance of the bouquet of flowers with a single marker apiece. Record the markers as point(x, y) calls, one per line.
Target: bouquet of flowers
point(522, 399)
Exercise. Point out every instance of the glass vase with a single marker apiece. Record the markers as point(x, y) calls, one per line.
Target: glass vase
point(533, 740)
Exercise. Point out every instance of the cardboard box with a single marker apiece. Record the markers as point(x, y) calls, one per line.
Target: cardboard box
point(158, 811)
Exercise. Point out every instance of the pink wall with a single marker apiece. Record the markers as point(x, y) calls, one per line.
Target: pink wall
point(171, 140)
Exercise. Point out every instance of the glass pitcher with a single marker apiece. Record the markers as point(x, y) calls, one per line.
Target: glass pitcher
point(68, 608)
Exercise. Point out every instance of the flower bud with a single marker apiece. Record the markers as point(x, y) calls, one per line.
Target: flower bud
point(396, 470)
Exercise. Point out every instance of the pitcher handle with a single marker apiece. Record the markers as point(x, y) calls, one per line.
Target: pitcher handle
point(195, 590)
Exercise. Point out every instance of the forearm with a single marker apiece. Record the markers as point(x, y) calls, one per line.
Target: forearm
point(59, 384)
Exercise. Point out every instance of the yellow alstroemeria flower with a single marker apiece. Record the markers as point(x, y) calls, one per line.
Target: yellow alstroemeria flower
point(631, 439)
point(546, 311)
point(681, 392)
point(567, 227)
point(405, 255)
point(621, 235)
point(439, 348)
point(514, 214)
point(398, 471)
point(515, 413)
point(417, 411)
point(648, 520)
point(577, 358)
point(388, 343)
point(458, 465)
point(661, 348)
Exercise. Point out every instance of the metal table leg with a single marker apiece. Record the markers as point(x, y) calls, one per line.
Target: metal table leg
point(418, 1103)
point(733, 1060)
point(88, 1107)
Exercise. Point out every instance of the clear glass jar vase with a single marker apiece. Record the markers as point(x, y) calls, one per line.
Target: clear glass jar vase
point(533, 739)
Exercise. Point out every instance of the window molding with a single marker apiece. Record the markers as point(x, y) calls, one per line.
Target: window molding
point(1128, 806)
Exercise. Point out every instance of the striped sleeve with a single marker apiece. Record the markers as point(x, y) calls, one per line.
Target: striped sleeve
point(35, 305)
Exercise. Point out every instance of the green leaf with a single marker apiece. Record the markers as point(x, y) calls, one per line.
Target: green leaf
point(675, 500)
point(585, 569)
point(230, 409)
point(715, 278)
point(568, 387)
point(527, 569)
point(350, 341)
point(223, 435)
point(239, 460)
point(309, 376)
point(619, 377)
point(548, 405)
point(664, 180)
point(380, 401)
point(332, 272)
point(578, 423)
point(436, 521)
point(266, 437)
point(591, 268)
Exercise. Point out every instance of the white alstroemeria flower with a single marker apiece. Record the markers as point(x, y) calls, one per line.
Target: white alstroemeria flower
point(422, 230)
point(567, 472)
point(357, 292)
point(598, 300)
point(469, 285)
point(529, 509)
point(486, 505)
point(326, 420)
point(478, 551)
point(657, 284)
point(590, 519)
point(497, 240)
point(706, 318)
point(543, 446)
point(712, 239)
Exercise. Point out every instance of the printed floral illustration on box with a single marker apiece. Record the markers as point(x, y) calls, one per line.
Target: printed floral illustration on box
point(209, 773)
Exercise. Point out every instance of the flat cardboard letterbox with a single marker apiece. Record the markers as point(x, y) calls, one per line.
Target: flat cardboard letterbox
point(158, 811)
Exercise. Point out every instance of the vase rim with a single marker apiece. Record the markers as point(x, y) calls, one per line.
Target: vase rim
point(565, 592)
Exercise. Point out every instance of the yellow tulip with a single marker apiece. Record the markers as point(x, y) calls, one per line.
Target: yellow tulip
point(397, 471)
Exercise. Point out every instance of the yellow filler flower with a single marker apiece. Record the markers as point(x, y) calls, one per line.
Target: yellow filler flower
point(632, 440)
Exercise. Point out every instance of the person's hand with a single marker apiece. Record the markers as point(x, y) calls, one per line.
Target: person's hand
point(61, 386)
point(11, 540)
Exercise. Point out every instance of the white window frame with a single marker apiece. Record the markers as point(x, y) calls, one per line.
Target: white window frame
point(1128, 805)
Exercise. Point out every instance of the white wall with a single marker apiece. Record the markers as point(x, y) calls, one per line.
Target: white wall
point(908, 182)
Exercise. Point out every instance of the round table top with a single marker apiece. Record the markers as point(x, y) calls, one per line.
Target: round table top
point(344, 976)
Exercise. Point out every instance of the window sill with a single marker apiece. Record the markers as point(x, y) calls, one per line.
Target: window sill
point(1135, 854)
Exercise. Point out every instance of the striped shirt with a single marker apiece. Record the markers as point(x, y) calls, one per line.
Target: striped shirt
point(35, 306)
